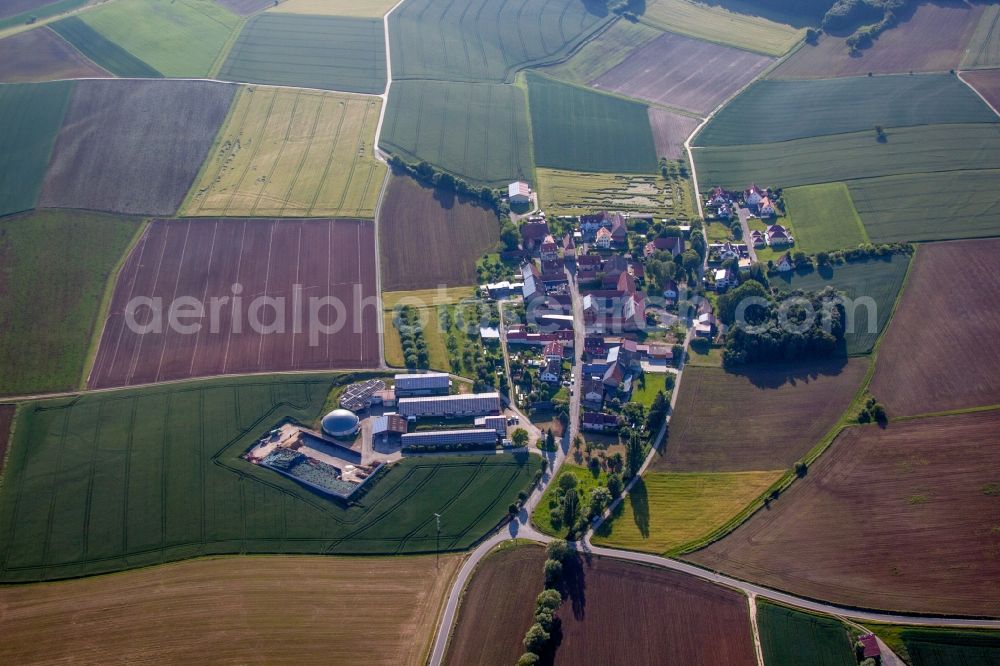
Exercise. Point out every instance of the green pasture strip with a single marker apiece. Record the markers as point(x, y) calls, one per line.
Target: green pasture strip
point(824, 218)
point(31, 116)
point(790, 637)
point(102, 51)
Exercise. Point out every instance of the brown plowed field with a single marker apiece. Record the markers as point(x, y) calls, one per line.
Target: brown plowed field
point(42, 55)
point(133, 147)
point(683, 72)
point(6, 421)
point(987, 82)
point(497, 608)
point(761, 418)
point(942, 349)
point(428, 238)
point(234, 610)
point(903, 519)
point(933, 39)
point(203, 258)
point(670, 131)
point(622, 612)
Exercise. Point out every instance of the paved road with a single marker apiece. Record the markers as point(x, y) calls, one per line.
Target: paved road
point(744, 215)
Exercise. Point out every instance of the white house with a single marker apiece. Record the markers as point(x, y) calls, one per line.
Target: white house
point(766, 208)
point(778, 235)
point(552, 372)
point(603, 238)
point(785, 264)
point(519, 192)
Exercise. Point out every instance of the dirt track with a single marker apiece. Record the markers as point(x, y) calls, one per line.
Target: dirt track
point(203, 258)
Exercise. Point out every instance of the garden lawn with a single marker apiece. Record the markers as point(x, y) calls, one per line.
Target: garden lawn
point(181, 38)
point(790, 637)
point(665, 511)
point(325, 52)
point(646, 388)
point(586, 482)
point(130, 478)
point(49, 322)
point(31, 115)
point(824, 218)
point(579, 129)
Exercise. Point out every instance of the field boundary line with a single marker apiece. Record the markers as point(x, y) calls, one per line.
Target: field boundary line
point(189, 200)
point(754, 629)
point(978, 94)
point(103, 311)
point(228, 45)
point(388, 81)
point(946, 413)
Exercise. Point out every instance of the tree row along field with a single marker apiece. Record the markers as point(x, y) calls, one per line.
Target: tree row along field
point(477, 130)
point(126, 479)
point(876, 515)
point(224, 609)
point(610, 608)
point(771, 111)
point(292, 153)
point(278, 259)
point(486, 40)
point(49, 323)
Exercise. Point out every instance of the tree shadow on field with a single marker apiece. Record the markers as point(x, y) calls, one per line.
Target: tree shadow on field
point(776, 375)
point(446, 198)
point(574, 582)
point(639, 497)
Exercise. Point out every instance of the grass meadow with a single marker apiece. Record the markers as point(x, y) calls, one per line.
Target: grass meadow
point(824, 218)
point(125, 479)
point(292, 153)
point(49, 323)
point(103, 51)
point(716, 23)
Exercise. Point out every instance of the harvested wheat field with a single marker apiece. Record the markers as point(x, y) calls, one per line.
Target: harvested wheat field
point(932, 39)
point(904, 519)
point(292, 153)
point(133, 147)
point(287, 260)
point(497, 607)
point(654, 616)
point(234, 610)
point(430, 238)
point(682, 72)
point(942, 349)
point(670, 131)
point(42, 55)
point(761, 418)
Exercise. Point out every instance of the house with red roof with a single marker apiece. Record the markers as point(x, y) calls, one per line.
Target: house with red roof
point(672, 244)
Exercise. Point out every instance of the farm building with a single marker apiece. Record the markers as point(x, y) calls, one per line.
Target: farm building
point(483, 436)
point(428, 383)
point(598, 422)
point(388, 426)
point(468, 404)
point(519, 192)
point(341, 423)
point(496, 423)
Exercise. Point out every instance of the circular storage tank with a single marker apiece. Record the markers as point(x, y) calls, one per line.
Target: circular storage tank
point(341, 423)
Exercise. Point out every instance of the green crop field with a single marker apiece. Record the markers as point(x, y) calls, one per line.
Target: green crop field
point(123, 479)
point(983, 49)
point(487, 40)
point(41, 13)
point(907, 150)
point(669, 509)
point(102, 51)
point(718, 24)
point(477, 131)
point(877, 279)
point(790, 637)
point(31, 116)
point(180, 38)
point(824, 218)
point(929, 206)
point(942, 647)
point(325, 52)
point(48, 323)
point(582, 130)
point(770, 111)
point(607, 49)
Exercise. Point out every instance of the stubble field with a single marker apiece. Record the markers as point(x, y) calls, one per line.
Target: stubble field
point(984, 46)
point(287, 153)
point(294, 261)
point(429, 238)
point(241, 610)
point(953, 331)
point(779, 411)
point(901, 519)
point(715, 23)
point(133, 147)
point(42, 55)
point(682, 72)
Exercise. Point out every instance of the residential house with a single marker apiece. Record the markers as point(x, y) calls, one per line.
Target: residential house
point(553, 351)
point(724, 212)
point(619, 232)
point(533, 234)
point(753, 197)
point(785, 263)
point(613, 377)
point(599, 422)
point(592, 393)
point(569, 247)
point(757, 238)
point(594, 370)
point(552, 372)
point(532, 281)
point(553, 273)
point(778, 235)
point(719, 197)
point(726, 278)
point(672, 244)
point(519, 193)
point(548, 250)
point(766, 207)
point(595, 347)
point(603, 239)
point(704, 326)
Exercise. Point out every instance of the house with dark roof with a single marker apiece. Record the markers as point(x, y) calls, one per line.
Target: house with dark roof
point(552, 372)
point(548, 250)
point(598, 422)
point(785, 263)
point(672, 244)
point(569, 247)
point(869, 647)
point(592, 393)
point(619, 232)
point(533, 234)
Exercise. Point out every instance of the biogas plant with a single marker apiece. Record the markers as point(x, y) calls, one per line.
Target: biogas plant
point(376, 425)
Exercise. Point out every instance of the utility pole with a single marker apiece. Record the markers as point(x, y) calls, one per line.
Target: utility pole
point(437, 549)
